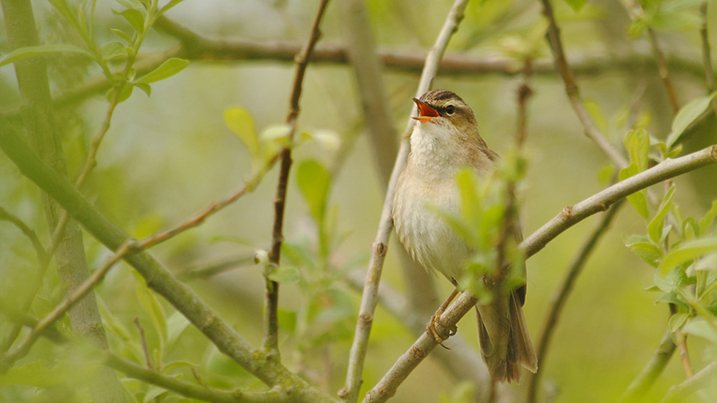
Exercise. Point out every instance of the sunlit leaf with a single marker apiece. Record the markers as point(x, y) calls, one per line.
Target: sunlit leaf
point(314, 181)
point(686, 116)
point(146, 88)
point(285, 275)
point(241, 124)
point(169, 5)
point(151, 305)
point(113, 50)
point(167, 69)
point(654, 228)
point(576, 5)
point(120, 33)
point(673, 281)
point(688, 251)
point(176, 324)
point(135, 19)
point(677, 320)
point(701, 328)
point(708, 219)
point(41, 50)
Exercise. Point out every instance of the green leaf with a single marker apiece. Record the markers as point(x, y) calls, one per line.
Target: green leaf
point(470, 201)
point(285, 275)
point(125, 93)
point(113, 50)
point(314, 181)
point(120, 33)
point(176, 324)
point(135, 4)
point(241, 124)
point(686, 252)
point(708, 219)
point(151, 304)
point(169, 5)
point(678, 320)
point(701, 328)
point(637, 143)
point(675, 21)
point(576, 5)
point(686, 116)
point(166, 70)
point(638, 200)
point(673, 281)
point(63, 8)
point(135, 19)
point(671, 298)
point(647, 251)
point(41, 50)
point(146, 88)
point(654, 229)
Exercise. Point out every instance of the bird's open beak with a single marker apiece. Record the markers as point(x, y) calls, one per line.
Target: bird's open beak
point(425, 112)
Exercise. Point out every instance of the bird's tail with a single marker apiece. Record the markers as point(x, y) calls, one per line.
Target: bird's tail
point(504, 339)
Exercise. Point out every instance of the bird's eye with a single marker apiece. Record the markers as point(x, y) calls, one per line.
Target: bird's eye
point(450, 109)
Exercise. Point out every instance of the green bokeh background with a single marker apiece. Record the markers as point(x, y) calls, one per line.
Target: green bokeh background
point(168, 156)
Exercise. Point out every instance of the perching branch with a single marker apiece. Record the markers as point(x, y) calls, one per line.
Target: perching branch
point(534, 243)
point(420, 349)
point(357, 355)
point(573, 92)
point(570, 215)
point(270, 342)
point(462, 361)
point(557, 302)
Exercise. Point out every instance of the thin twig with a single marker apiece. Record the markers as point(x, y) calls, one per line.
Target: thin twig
point(462, 361)
point(143, 340)
point(197, 220)
point(357, 355)
point(706, 50)
point(573, 92)
point(77, 294)
point(663, 70)
point(531, 245)
point(420, 349)
point(702, 379)
point(158, 278)
point(29, 233)
point(187, 389)
point(270, 343)
point(557, 302)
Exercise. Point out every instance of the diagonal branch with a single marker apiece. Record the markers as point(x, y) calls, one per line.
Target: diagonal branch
point(270, 342)
point(76, 295)
point(158, 278)
point(573, 92)
point(357, 355)
point(531, 245)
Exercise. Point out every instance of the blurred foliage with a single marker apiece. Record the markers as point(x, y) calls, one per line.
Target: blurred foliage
point(170, 155)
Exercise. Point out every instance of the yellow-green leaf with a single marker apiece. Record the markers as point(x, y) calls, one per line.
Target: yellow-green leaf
point(314, 180)
point(688, 251)
point(241, 124)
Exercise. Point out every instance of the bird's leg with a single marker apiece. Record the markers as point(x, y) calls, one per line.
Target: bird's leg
point(431, 328)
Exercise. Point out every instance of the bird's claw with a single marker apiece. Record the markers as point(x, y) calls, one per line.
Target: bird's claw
point(431, 328)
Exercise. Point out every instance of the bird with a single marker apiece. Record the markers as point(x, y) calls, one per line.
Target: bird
point(444, 141)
